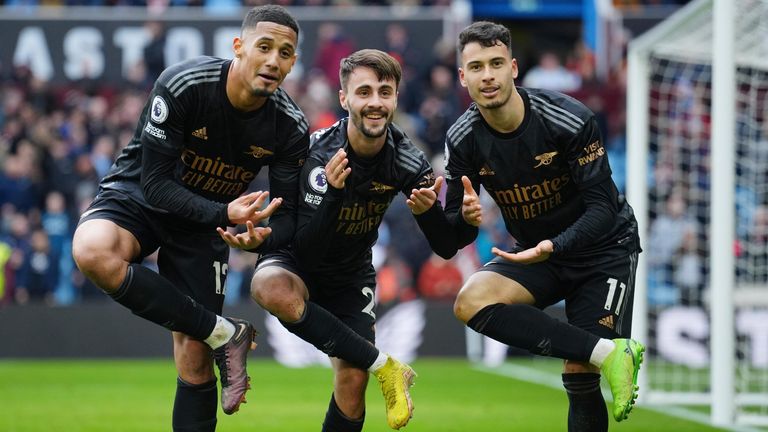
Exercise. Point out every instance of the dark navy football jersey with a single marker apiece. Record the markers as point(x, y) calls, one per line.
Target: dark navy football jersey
point(337, 228)
point(537, 174)
point(217, 149)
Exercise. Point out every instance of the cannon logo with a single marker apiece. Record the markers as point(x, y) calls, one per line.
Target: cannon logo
point(545, 158)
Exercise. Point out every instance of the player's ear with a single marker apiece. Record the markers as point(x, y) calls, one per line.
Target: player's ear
point(461, 78)
point(515, 70)
point(343, 100)
point(237, 47)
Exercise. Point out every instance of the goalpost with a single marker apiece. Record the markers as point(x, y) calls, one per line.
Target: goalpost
point(697, 120)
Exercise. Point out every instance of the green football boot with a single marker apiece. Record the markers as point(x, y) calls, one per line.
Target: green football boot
point(620, 369)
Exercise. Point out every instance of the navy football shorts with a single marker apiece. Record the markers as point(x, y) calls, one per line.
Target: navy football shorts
point(194, 259)
point(598, 298)
point(353, 301)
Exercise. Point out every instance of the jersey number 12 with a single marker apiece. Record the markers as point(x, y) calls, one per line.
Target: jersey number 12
point(221, 276)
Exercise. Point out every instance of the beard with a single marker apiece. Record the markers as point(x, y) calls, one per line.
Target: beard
point(497, 103)
point(494, 104)
point(358, 121)
point(261, 92)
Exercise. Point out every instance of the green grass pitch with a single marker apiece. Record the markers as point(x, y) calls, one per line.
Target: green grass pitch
point(137, 395)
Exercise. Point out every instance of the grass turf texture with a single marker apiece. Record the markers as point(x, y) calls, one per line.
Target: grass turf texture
point(137, 395)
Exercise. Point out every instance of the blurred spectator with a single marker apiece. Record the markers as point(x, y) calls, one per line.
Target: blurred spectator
point(332, 46)
point(86, 179)
point(668, 233)
point(60, 168)
point(406, 242)
point(57, 225)
point(582, 62)
point(439, 108)
point(16, 185)
point(752, 151)
point(752, 250)
point(439, 279)
point(398, 45)
point(36, 278)
point(394, 280)
point(492, 231)
point(688, 276)
point(551, 75)
point(154, 51)
point(103, 154)
point(16, 229)
point(320, 101)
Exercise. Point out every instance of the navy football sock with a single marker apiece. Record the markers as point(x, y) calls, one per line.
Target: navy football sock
point(586, 409)
point(194, 409)
point(152, 297)
point(336, 421)
point(524, 326)
point(331, 336)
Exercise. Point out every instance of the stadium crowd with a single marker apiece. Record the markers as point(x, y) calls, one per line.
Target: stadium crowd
point(56, 142)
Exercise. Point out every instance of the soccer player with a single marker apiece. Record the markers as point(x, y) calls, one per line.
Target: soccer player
point(540, 156)
point(208, 127)
point(322, 289)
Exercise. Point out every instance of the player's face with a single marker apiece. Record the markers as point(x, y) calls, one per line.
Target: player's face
point(488, 73)
point(266, 55)
point(371, 103)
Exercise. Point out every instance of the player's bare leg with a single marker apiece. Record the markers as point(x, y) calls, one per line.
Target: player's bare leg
point(196, 397)
point(346, 410)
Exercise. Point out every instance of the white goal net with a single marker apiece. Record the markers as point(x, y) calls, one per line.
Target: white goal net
point(673, 123)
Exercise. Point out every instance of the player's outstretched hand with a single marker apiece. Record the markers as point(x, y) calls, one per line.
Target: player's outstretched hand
point(529, 256)
point(248, 208)
point(423, 199)
point(250, 239)
point(471, 209)
point(336, 170)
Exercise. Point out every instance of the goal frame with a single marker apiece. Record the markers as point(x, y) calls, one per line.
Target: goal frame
point(721, 397)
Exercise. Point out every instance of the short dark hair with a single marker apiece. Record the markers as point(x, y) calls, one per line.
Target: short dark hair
point(384, 65)
point(269, 13)
point(486, 34)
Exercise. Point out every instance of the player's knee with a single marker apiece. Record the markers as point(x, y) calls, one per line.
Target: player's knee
point(275, 292)
point(83, 252)
point(193, 359)
point(466, 305)
point(99, 264)
point(353, 379)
